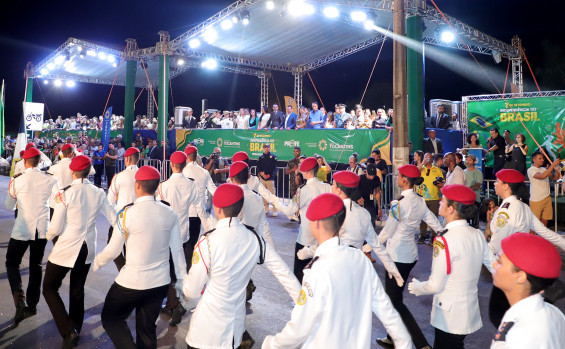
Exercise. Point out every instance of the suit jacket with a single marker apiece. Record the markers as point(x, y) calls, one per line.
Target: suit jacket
point(429, 147)
point(156, 153)
point(291, 122)
point(193, 123)
point(441, 121)
point(276, 120)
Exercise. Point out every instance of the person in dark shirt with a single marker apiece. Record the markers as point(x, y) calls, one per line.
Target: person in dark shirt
point(267, 169)
point(110, 163)
point(496, 145)
point(98, 163)
point(369, 192)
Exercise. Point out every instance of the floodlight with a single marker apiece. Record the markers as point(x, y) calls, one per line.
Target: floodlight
point(44, 71)
point(111, 58)
point(58, 83)
point(210, 35)
point(300, 8)
point(226, 24)
point(194, 43)
point(70, 83)
point(245, 17)
point(50, 66)
point(358, 16)
point(447, 36)
point(59, 59)
point(180, 61)
point(102, 55)
point(235, 18)
point(115, 65)
point(270, 5)
point(79, 48)
point(210, 63)
point(369, 24)
point(331, 12)
point(45, 82)
point(91, 53)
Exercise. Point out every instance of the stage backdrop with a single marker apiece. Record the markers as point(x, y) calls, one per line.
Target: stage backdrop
point(543, 116)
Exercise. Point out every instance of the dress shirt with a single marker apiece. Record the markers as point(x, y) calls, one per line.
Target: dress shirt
point(152, 230)
point(340, 292)
point(514, 216)
point(74, 219)
point(316, 116)
point(455, 306)
point(203, 182)
point(434, 143)
point(182, 194)
point(31, 192)
point(122, 190)
point(403, 223)
point(221, 279)
point(456, 176)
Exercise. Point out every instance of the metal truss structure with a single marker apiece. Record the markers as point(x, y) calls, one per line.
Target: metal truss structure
point(517, 75)
point(150, 103)
point(264, 99)
point(298, 81)
point(513, 95)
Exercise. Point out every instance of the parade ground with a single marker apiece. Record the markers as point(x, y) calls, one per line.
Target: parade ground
point(267, 312)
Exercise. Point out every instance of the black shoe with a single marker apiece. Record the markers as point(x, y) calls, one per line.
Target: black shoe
point(178, 312)
point(246, 341)
point(385, 343)
point(21, 312)
point(421, 240)
point(70, 341)
point(250, 289)
point(167, 311)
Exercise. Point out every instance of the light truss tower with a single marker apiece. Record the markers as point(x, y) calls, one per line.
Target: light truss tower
point(298, 89)
point(517, 65)
point(264, 78)
point(150, 103)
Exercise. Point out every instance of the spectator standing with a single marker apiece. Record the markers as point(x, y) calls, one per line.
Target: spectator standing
point(455, 174)
point(459, 160)
point(253, 119)
point(370, 193)
point(540, 199)
point(496, 144)
point(345, 117)
point(302, 121)
point(267, 168)
point(518, 151)
point(264, 118)
point(155, 152)
point(354, 165)
point(381, 165)
point(439, 163)
point(277, 119)
point(337, 117)
point(317, 117)
point(289, 118)
point(441, 119)
point(291, 170)
point(330, 122)
point(474, 180)
point(98, 162)
point(323, 169)
point(429, 190)
point(418, 159)
point(110, 163)
point(217, 166)
point(432, 144)
point(120, 151)
point(380, 120)
point(189, 121)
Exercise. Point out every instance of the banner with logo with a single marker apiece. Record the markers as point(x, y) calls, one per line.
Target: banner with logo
point(334, 145)
point(106, 124)
point(543, 116)
point(33, 116)
point(290, 101)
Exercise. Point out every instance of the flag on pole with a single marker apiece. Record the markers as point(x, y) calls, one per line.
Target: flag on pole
point(21, 143)
point(2, 119)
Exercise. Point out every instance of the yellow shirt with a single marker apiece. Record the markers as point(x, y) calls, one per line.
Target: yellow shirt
point(322, 174)
point(428, 190)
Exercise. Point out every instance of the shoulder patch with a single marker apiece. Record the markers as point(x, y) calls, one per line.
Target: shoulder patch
point(195, 257)
point(399, 198)
point(438, 246)
point(506, 205)
point(301, 300)
point(502, 219)
point(395, 210)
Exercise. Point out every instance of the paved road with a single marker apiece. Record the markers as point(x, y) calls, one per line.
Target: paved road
point(268, 311)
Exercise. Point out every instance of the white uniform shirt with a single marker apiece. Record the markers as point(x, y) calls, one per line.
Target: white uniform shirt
point(122, 190)
point(304, 195)
point(152, 228)
point(74, 218)
point(514, 216)
point(203, 182)
point(255, 184)
point(182, 194)
point(455, 306)
point(456, 176)
point(536, 324)
point(221, 278)
point(340, 292)
point(19, 167)
point(31, 192)
point(539, 188)
point(403, 223)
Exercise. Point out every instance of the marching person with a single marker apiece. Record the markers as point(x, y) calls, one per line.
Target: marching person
point(76, 209)
point(340, 291)
point(403, 222)
point(30, 192)
point(151, 230)
point(182, 195)
point(530, 322)
point(121, 191)
point(459, 252)
point(512, 216)
point(304, 195)
point(61, 169)
point(222, 264)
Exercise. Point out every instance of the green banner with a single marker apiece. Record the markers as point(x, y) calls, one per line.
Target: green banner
point(74, 133)
point(334, 145)
point(542, 116)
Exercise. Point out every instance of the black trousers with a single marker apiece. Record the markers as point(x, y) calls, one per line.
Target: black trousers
point(395, 294)
point(172, 299)
point(299, 264)
point(54, 275)
point(14, 255)
point(370, 206)
point(119, 304)
point(444, 340)
point(498, 164)
point(119, 261)
point(99, 168)
point(110, 172)
point(193, 232)
point(497, 306)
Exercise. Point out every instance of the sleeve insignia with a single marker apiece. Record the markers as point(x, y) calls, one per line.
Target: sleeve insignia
point(301, 298)
point(195, 258)
point(502, 219)
point(438, 245)
point(395, 210)
point(506, 205)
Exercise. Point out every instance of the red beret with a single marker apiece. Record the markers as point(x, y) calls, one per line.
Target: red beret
point(510, 176)
point(67, 146)
point(532, 254)
point(178, 157)
point(29, 145)
point(409, 171)
point(460, 193)
point(147, 173)
point(324, 206)
point(237, 167)
point(31, 152)
point(190, 149)
point(131, 151)
point(308, 164)
point(346, 178)
point(226, 195)
point(240, 156)
point(79, 163)
point(22, 153)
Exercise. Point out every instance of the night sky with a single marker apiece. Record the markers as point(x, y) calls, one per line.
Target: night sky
point(32, 30)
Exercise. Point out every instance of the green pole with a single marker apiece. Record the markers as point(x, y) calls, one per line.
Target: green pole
point(131, 70)
point(163, 97)
point(29, 91)
point(414, 60)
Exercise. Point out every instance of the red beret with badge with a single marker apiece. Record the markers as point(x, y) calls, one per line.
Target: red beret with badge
point(131, 151)
point(147, 173)
point(190, 149)
point(178, 157)
point(240, 156)
point(346, 178)
point(226, 195)
point(410, 171)
point(29, 145)
point(324, 206)
point(79, 163)
point(460, 193)
point(31, 152)
point(308, 164)
point(237, 167)
point(532, 254)
point(67, 146)
point(510, 176)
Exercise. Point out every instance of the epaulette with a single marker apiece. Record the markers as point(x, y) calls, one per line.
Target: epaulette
point(65, 188)
point(309, 265)
point(302, 185)
point(399, 198)
point(261, 244)
point(500, 336)
point(442, 233)
point(208, 232)
point(19, 174)
point(420, 195)
point(192, 179)
point(122, 215)
point(506, 205)
point(256, 192)
point(45, 169)
point(165, 203)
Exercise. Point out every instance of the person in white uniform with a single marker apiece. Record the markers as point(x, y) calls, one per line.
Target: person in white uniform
point(30, 192)
point(122, 191)
point(340, 291)
point(304, 195)
point(222, 264)
point(61, 169)
point(74, 222)
point(526, 267)
point(403, 223)
point(459, 252)
point(513, 215)
point(182, 195)
point(151, 230)
point(253, 182)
